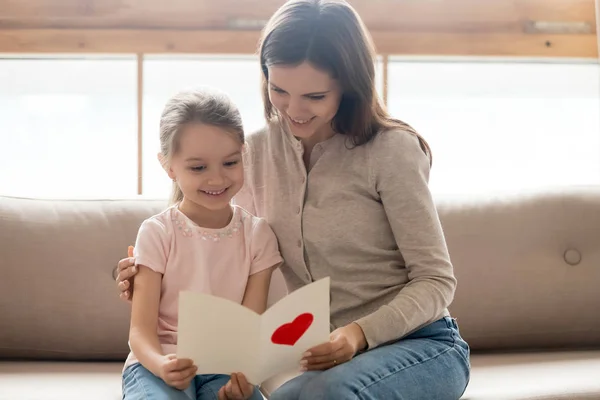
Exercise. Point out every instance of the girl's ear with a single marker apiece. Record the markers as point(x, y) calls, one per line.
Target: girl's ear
point(163, 162)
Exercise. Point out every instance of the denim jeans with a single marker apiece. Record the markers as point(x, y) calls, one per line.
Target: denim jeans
point(141, 384)
point(430, 364)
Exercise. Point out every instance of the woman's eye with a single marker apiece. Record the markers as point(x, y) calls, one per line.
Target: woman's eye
point(277, 90)
point(319, 97)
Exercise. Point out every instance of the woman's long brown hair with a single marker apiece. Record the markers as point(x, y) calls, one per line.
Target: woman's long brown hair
point(330, 35)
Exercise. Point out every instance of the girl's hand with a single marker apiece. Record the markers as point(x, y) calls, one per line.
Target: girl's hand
point(177, 372)
point(343, 345)
point(126, 272)
point(237, 388)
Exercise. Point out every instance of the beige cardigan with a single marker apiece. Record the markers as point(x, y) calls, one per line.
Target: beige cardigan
point(363, 216)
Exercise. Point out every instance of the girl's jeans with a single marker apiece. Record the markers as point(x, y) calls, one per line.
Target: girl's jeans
point(141, 384)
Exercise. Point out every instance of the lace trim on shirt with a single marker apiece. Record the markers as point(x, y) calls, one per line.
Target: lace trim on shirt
point(188, 230)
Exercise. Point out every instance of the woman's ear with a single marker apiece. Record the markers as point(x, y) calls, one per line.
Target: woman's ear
point(165, 164)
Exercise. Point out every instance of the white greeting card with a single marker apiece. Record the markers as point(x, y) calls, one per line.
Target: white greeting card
point(223, 337)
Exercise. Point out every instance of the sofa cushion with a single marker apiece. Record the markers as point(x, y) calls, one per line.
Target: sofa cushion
point(535, 376)
point(528, 269)
point(539, 376)
point(60, 380)
point(528, 376)
point(58, 297)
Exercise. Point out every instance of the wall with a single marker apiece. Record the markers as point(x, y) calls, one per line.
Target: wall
point(432, 27)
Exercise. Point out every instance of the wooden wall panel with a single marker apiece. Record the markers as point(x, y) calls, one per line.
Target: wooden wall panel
point(444, 27)
point(403, 15)
point(243, 42)
point(558, 10)
point(126, 41)
point(133, 14)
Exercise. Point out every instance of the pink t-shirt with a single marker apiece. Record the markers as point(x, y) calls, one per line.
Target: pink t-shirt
point(212, 261)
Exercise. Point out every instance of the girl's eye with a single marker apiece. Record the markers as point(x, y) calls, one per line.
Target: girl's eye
point(277, 90)
point(201, 168)
point(231, 163)
point(319, 97)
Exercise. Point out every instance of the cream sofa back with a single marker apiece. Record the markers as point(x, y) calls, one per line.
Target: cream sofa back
point(528, 269)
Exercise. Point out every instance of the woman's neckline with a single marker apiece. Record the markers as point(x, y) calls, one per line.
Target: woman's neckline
point(298, 142)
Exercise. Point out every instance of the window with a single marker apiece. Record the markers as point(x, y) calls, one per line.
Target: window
point(502, 126)
point(68, 127)
point(70, 123)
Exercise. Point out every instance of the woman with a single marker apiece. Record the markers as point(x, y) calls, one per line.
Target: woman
point(345, 189)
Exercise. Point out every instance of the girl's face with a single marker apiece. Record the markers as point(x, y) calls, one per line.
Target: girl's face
point(306, 98)
point(208, 166)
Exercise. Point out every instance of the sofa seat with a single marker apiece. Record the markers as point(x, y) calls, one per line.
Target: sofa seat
point(539, 376)
point(39, 380)
point(570, 375)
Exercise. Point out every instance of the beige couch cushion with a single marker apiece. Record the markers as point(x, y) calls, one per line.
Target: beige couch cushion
point(533, 376)
point(57, 293)
point(550, 376)
point(528, 272)
point(528, 269)
point(542, 376)
point(60, 381)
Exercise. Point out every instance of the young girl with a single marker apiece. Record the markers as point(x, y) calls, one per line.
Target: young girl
point(202, 243)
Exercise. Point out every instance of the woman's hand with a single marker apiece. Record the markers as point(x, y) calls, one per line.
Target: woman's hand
point(237, 388)
point(126, 272)
point(177, 372)
point(343, 345)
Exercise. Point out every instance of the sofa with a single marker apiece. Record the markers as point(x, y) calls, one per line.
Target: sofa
point(528, 296)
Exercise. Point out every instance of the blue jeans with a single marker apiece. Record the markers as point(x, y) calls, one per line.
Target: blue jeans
point(141, 384)
point(432, 363)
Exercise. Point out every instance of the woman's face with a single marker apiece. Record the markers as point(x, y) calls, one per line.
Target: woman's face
point(306, 98)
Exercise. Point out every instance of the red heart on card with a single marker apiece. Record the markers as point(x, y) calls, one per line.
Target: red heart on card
point(288, 334)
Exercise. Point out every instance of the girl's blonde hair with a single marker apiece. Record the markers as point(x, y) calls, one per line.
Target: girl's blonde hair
point(330, 35)
point(202, 106)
